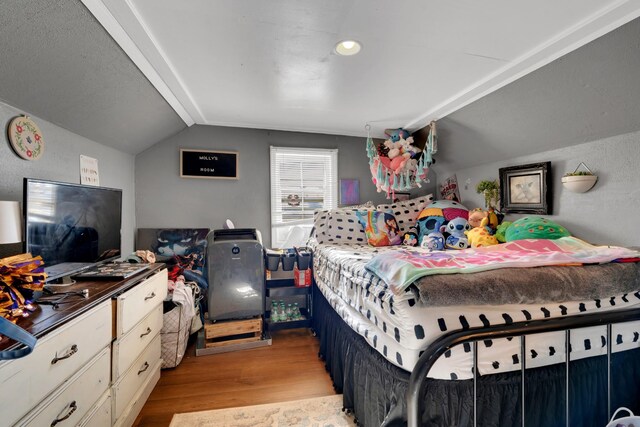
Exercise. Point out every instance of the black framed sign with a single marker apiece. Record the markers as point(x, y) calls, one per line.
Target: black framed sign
point(208, 164)
point(526, 189)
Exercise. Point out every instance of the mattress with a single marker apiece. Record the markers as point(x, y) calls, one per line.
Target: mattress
point(400, 327)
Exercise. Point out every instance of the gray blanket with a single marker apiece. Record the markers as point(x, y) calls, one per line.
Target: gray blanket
point(530, 285)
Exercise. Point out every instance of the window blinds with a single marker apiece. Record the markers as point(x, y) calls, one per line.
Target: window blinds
point(302, 180)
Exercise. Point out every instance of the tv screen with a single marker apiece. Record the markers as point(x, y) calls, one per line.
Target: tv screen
point(71, 226)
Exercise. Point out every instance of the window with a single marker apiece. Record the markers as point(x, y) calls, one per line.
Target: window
point(302, 180)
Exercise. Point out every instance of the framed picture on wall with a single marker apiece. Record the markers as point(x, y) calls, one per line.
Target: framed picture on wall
point(526, 189)
point(349, 192)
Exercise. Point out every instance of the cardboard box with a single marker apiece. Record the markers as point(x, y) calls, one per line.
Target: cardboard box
point(301, 278)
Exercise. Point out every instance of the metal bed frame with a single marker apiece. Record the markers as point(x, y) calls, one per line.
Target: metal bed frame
point(516, 329)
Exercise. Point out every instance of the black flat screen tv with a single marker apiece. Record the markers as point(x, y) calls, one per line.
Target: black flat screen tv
point(72, 227)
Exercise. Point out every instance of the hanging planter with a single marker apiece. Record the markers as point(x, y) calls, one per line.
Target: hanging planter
point(579, 181)
point(398, 165)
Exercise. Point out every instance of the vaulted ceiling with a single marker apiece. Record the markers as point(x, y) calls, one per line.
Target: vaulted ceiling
point(129, 73)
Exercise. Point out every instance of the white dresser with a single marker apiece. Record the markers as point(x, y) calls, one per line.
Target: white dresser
point(136, 350)
point(94, 367)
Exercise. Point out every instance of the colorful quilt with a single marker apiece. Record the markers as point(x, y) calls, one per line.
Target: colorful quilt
point(401, 268)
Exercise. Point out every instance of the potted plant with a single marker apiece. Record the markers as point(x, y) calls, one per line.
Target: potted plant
point(579, 181)
point(491, 192)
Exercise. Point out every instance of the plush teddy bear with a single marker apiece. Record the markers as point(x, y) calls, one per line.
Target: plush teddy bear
point(393, 147)
point(456, 229)
point(476, 216)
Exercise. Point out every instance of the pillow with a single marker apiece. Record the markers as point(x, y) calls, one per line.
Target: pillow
point(380, 227)
point(365, 205)
point(320, 225)
point(343, 226)
point(406, 212)
point(535, 227)
point(338, 226)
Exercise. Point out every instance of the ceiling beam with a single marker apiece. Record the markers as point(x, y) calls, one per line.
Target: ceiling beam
point(589, 29)
point(123, 24)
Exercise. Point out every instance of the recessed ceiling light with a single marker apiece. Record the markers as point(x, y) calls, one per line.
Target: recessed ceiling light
point(348, 47)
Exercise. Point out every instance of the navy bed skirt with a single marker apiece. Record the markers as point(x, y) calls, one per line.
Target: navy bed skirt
point(374, 389)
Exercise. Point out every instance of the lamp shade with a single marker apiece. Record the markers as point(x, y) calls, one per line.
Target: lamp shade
point(10, 222)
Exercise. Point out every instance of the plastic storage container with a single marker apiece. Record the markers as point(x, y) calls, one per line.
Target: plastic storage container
point(288, 259)
point(303, 257)
point(272, 260)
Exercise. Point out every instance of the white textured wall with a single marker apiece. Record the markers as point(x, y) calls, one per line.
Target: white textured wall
point(61, 162)
point(163, 199)
point(607, 214)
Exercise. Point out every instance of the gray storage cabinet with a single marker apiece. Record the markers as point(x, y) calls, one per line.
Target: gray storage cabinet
point(235, 261)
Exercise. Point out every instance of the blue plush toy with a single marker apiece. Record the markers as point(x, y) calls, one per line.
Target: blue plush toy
point(433, 241)
point(396, 135)
point(428, 224)
point(456, 228)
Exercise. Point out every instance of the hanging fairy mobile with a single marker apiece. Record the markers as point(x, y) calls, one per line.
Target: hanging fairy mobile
point(398, 165)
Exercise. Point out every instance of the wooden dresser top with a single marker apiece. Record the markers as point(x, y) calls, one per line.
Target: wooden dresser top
point(45, 318)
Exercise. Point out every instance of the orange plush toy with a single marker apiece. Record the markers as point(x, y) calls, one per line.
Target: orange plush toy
point(476, 216)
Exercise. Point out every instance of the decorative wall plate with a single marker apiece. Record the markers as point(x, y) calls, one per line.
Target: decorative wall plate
point(26, 138)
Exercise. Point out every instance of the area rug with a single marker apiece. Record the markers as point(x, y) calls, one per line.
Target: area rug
point(316, 412)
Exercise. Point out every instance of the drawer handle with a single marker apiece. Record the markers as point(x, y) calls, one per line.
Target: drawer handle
point(71, 352)
point(145, 367)
point(153, 294)
point(146, 333)
point(72, 408)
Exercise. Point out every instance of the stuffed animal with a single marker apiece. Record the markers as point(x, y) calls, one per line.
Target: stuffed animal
point(396, 134)
point(501, 231)
point(456, 229)
point(479, 236)
point(476, 216)
point(433, 241)
point(535, 227)
point(394, 148)
point(383, 150)
point(429, 224)
point(407, 147)
point(436, 214)
point(400, 152)
point(494, 221)
point(410, 238)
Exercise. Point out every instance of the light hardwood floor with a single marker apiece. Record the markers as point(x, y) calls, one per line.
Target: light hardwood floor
point(287, 370)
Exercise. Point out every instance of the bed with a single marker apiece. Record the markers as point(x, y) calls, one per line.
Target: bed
point(372, 335)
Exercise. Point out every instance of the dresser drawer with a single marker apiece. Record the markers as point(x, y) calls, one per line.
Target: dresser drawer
point(68, 405)
point(25, 382)
point(100, 414)
point(133, 379)
point(128, 417)
point(128, 347)
point(133, 305)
